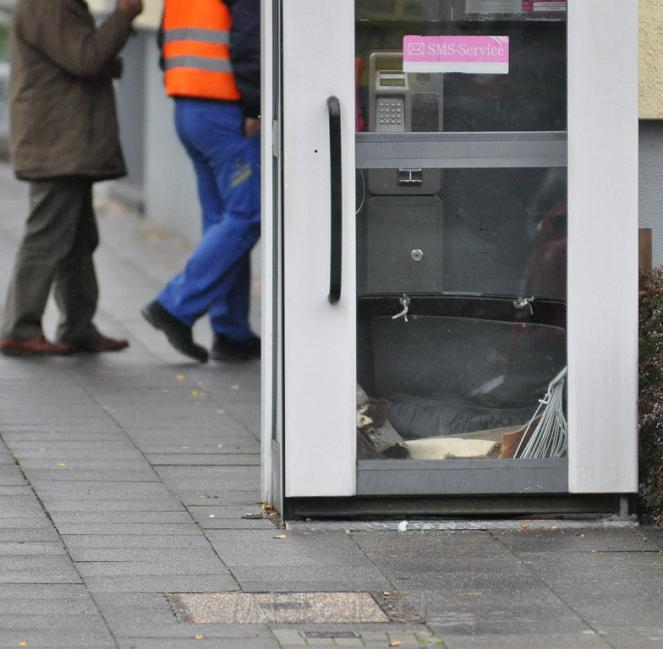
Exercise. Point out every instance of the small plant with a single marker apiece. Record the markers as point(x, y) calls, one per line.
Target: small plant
point(650, 409)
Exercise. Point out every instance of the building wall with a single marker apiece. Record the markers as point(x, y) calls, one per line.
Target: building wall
point(651, 59)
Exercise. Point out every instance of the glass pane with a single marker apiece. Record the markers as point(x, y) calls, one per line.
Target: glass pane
point(461, 272)
point(528, 93)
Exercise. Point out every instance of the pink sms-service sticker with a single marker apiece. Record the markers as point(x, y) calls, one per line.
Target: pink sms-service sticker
point(464, 54)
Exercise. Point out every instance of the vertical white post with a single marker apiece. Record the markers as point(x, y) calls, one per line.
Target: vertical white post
point(603, 222)
point(267, 232)
point(320, 357)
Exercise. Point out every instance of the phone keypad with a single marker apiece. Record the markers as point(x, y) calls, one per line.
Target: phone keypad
point(390, 113)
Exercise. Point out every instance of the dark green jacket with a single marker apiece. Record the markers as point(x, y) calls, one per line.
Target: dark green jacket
point(63, 115)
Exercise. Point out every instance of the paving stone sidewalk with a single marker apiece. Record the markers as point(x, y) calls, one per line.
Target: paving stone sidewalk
point(126, 481)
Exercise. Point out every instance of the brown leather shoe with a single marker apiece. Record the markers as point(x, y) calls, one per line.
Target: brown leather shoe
point(98, 343)
point(36, 346)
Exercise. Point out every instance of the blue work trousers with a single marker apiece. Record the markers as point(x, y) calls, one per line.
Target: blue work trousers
point(217, 277)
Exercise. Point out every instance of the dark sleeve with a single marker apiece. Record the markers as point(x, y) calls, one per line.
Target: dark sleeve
point(160, 44)
point(63, 31)
point(245, 52)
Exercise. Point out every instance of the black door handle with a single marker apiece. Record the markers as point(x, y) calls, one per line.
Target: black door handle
point(336, 183)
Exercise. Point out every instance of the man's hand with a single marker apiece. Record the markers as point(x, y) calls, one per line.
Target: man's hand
point(129, 7)
point(251, 126)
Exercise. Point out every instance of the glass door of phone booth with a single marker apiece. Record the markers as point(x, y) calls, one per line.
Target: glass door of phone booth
point(425, 247)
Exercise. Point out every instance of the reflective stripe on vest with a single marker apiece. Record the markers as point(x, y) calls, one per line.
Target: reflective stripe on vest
point(196, 50)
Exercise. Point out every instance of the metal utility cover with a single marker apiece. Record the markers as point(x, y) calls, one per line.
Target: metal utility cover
point(278, 608)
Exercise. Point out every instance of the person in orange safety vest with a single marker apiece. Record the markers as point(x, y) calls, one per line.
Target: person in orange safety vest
point(210, 54)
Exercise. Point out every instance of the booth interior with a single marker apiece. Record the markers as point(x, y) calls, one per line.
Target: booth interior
point(461, 258)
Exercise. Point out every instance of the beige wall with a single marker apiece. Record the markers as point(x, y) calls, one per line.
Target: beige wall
point(651, 59)
point(149, 18)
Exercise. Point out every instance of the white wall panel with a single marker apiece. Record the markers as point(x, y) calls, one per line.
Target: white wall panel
point(603, 222)
point(318, 61)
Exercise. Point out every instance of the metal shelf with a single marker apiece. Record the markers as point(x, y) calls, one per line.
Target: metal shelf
point(461, 150)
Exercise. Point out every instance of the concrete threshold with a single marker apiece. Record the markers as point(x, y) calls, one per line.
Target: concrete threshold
point(462, 525)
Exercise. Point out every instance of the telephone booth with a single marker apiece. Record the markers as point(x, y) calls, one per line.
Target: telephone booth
point(450, 233)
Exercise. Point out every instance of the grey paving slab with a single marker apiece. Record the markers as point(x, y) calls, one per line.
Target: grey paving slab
point(633, 637)
point(11, 476)
point(175, 557)
point(21, 490)
point(203, 643)
point(227, 477)
point(496, 611)
point(39, 591)
point(163, 584)
point(31, 548)
point(83, 605)
point(23, 569)
point(135, 541)
point(212, 459)
point(141, 529)
point(55, 622)
point(23, 504)
point(575, 540)
point(89, 638)
point(588, 640)
point(74, 467)
point(24, 523)
point(82, 451)
point(308, 578)
point(246, 497)
point(200, 512)
point(62, 518)
point(653, 535)
point(619, 589)
point(186, 565)
point(33, 535)
point(69, 475)
point(94, 441)
point(101, 490)
point(56, 505)
point(300, 549)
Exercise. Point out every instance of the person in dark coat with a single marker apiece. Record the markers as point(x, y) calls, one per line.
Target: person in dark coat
point(64, 137)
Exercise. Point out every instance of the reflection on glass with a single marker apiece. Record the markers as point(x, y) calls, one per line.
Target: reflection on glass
point(461, 272)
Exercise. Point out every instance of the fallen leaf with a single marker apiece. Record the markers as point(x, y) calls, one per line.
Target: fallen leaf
point(252, 516)
point(235, 387)
point(199, 636)
point(61, 465)
point(22, 643)
point(281, 536)
point(211, 516)
point(195, 393)
point(219, 445)
point(395, 643)
point(180, 377)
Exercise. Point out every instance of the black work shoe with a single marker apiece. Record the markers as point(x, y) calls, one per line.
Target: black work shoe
point(225, 349)
point(179, 334)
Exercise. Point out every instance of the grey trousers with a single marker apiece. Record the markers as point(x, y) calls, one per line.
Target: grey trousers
point(55, 253)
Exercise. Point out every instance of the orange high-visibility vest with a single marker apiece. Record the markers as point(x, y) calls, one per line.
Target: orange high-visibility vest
point(196, 50)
